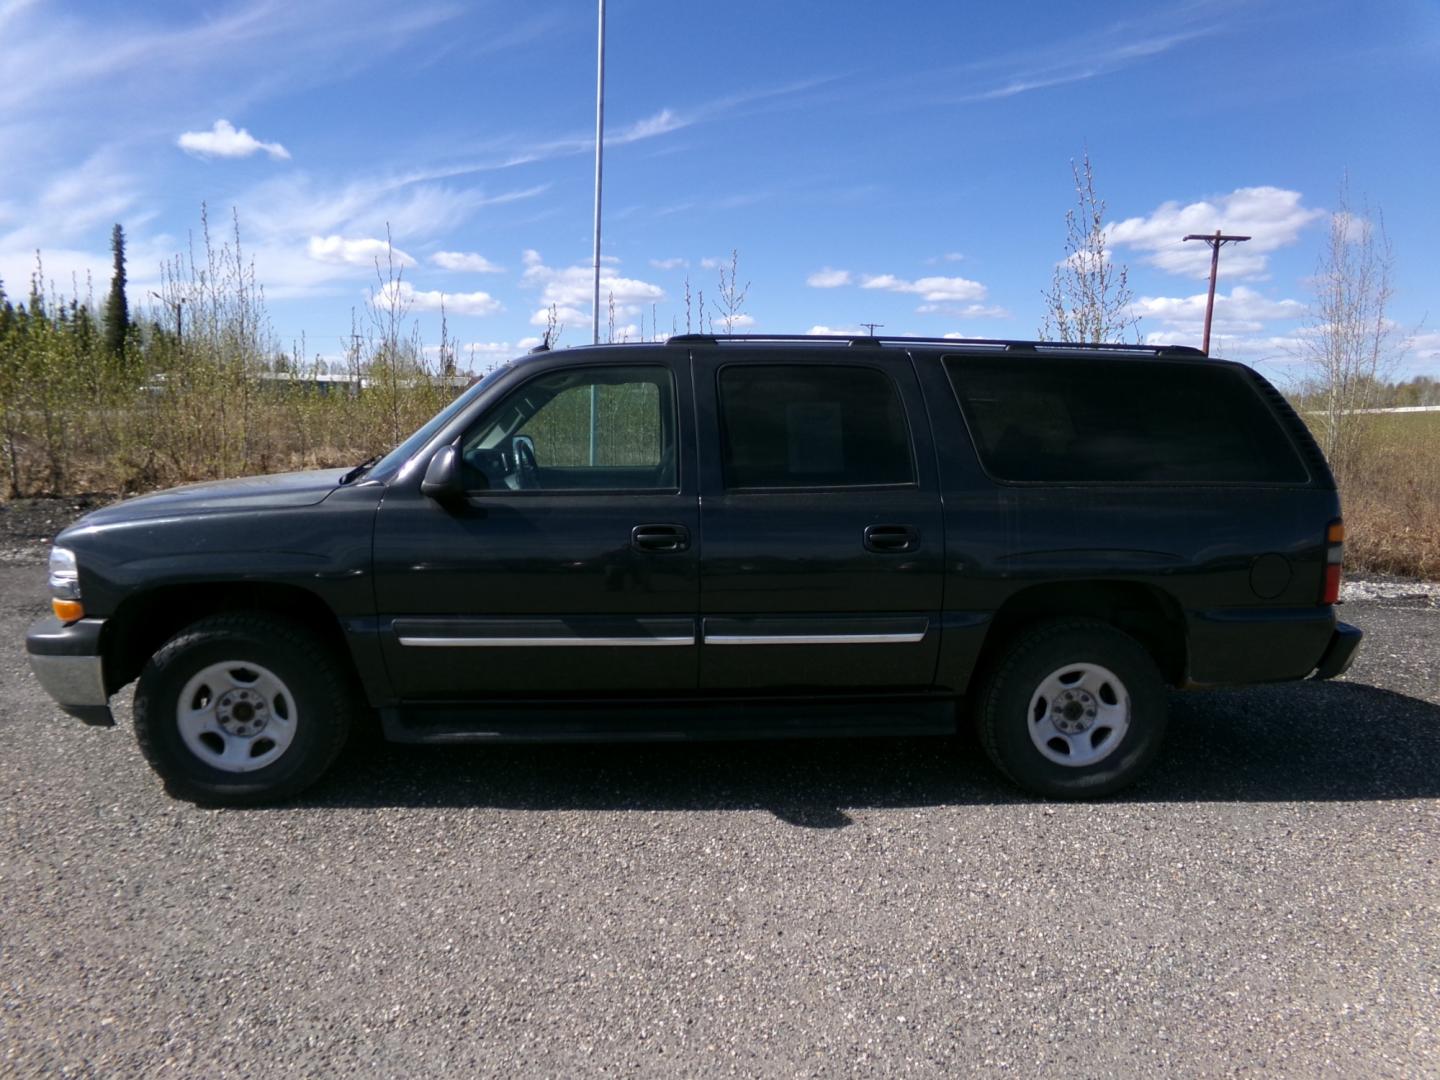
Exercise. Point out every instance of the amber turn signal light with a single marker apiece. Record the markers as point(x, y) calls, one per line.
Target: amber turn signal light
point(68, 611)
point(1335, 534)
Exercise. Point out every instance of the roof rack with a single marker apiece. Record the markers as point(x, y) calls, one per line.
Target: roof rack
point(858, 340)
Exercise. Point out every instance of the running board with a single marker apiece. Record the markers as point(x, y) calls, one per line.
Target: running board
point(665, 722)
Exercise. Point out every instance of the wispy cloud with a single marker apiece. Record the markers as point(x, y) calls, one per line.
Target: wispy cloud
point(224, 140)
point(514, 151)
point(74, 202)
point(67, 56)
point(1065, 58)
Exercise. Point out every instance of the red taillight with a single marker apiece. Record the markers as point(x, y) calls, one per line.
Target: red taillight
point(1334, 557)
point(1332, 584)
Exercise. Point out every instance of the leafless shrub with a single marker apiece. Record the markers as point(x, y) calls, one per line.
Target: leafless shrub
point(1089, 297)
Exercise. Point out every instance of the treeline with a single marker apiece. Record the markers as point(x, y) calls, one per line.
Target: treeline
point(103, 402)
point(1378, 394)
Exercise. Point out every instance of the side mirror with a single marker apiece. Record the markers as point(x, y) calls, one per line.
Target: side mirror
point(442, 476)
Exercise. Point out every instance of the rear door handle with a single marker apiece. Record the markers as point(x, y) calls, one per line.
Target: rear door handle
point(889, 539)
point(660, 538)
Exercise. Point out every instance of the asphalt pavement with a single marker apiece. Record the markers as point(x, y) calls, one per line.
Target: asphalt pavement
point(1267, 901)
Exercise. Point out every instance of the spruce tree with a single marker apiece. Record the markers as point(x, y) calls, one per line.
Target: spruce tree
point(117, 309)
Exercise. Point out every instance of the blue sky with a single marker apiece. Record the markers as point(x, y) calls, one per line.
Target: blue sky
point(905, 164)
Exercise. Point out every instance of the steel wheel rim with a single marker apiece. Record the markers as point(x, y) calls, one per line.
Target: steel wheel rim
point(1079, 715)
point(236, 716)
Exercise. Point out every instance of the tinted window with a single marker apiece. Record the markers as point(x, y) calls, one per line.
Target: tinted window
point(610, 428)
point(811, 426)
point(1118, 421)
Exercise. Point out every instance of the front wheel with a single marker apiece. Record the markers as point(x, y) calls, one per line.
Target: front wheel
point(237, 710)
point(1075, 709)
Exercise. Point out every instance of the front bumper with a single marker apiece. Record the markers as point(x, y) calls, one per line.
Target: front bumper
point(67, 661)
point(1340, 652)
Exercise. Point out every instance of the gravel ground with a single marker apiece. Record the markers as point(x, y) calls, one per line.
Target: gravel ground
point(1267, 902)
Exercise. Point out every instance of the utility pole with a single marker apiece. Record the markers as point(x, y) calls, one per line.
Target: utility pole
point(870, 326)
point(1216, 242)
point(599, 155)
point(179, 325)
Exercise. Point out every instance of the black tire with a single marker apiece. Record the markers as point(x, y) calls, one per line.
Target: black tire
point(1018, 708)
point(313, 706)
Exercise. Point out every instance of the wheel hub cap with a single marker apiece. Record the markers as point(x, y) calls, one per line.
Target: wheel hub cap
point(1079, 714)
point(1073, 711)
point(236, 716)
point(242, 712)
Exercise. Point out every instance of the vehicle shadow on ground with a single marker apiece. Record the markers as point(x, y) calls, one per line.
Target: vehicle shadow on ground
point(1306, 742)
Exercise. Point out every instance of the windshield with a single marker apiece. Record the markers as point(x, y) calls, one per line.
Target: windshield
point(402, 453)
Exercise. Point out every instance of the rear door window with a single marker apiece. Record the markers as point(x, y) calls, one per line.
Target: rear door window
point(1118, 421)
point(812, 425)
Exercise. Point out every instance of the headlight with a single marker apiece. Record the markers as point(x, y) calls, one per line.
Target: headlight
point(65, 586)
point(64, 574)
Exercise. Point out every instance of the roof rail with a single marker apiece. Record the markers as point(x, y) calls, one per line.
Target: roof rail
point(717, 339)
point(999, 345)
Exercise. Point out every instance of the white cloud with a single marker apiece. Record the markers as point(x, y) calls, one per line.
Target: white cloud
point(738, 322)
point(406, 295)
point(838, 331)
point(668, 264)
point(828, 279)
point(572, 288)
point(465, 260)
point(1244, 311)
point(949, 256)
point(934, 289)
point(1424, 347)
point(712, 263)
point(359, 251)
point(1273, 218)
point(565, 316)
point(966, 311)
point(223, 140)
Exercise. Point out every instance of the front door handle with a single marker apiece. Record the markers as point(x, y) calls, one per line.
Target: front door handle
point(660, 538)
point(890, 539)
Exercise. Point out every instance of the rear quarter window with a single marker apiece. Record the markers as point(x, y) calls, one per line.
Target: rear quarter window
point(1121, 421)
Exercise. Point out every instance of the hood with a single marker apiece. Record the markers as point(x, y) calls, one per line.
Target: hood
point(275, 492)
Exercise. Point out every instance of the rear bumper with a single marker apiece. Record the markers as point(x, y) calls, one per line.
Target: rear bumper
point(1340, 652)
point(1237, 646)
point(66, 660)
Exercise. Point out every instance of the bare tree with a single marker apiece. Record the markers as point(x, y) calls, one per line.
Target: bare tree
point(732, 295)
point(553, 327)
point(1350, 349)
point(1089, 298)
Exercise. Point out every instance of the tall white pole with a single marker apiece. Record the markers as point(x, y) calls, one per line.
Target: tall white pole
point(599, 156)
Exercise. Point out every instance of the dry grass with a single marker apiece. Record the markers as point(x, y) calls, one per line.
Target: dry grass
point(1392, 505)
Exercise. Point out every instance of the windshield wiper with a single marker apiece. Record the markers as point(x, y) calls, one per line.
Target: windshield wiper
point(354, 473)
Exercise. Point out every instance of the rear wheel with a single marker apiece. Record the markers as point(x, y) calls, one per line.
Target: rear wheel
point(1075, 709)
point(241, 709)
